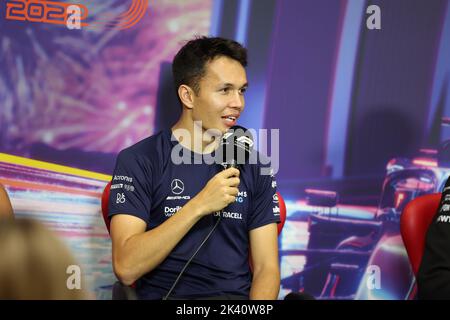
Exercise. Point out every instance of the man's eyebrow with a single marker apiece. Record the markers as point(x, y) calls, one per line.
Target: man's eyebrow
point(245, 85)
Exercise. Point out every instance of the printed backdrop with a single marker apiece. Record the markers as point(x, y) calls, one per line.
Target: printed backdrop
point(358, 89)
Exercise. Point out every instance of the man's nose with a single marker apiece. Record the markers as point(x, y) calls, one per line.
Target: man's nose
point(237, 101)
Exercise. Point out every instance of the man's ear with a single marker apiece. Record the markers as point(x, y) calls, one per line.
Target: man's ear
point(186, 95)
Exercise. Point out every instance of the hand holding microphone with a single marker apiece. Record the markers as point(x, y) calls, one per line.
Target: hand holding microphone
point(219, 192)
point(222, 189)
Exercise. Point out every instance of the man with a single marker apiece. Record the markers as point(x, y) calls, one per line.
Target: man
point(162, 211)
point(5, 205)
point(433, 278)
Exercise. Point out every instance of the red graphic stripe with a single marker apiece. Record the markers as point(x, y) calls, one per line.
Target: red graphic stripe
point(137, 15)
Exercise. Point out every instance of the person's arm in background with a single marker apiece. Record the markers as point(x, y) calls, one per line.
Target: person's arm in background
point(433, 278)
point(264, 254)
point(5, 205)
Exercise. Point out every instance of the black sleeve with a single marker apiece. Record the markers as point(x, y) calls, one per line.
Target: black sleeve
point(131, 187)
point(265, 208)
point(433, 278)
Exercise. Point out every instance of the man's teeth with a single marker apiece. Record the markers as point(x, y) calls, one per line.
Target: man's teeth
point(231, 118)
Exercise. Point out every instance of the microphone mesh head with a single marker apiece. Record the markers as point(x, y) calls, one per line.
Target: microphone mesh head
point(235, 147)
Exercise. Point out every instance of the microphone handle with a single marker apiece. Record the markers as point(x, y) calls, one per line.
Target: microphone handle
point(232, 164)
point(227, 165)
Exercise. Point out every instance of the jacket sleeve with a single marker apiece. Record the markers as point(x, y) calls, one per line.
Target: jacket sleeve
point(433, 278)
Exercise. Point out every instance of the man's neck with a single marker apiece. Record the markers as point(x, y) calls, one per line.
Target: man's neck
point(198, 141)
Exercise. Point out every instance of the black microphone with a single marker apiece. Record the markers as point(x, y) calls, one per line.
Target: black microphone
point(235, 148)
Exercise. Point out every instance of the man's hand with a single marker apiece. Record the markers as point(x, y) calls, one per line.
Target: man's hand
point(219, 192)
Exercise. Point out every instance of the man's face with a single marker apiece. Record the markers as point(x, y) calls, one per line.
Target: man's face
point(221, 97)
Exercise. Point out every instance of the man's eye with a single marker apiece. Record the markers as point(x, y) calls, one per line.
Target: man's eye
point(225, 90)
point(242, 91)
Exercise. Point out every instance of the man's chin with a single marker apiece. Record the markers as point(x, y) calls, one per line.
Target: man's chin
point(217, 132)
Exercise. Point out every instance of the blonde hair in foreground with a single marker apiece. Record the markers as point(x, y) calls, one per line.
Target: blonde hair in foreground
point(6, 210)
point(33, 262)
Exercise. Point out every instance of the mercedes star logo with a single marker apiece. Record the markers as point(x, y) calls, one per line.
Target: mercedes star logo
point(177, 186)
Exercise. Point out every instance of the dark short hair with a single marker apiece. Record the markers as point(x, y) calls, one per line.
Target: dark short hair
point(188, 66)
